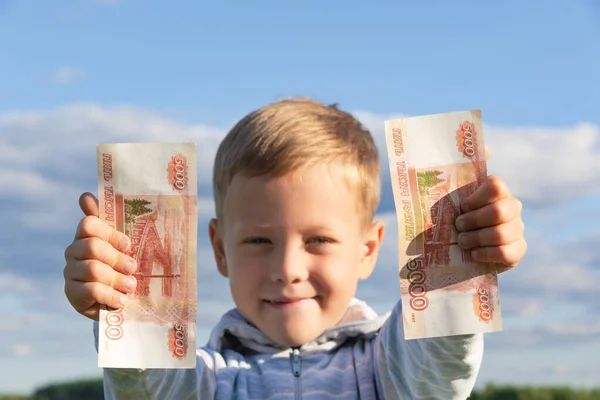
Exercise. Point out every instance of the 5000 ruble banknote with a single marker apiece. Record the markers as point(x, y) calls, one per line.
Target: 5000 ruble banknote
point(436, 161)
point(149, 192)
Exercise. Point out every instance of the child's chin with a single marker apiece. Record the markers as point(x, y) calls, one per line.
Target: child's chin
point(295, 339)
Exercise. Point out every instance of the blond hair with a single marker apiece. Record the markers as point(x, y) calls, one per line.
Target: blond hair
point(288, 134)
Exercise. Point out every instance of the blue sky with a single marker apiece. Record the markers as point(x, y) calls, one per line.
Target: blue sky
point(215, 61)
point(79, 72)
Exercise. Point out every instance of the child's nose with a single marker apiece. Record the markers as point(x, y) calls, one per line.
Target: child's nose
point(289, 265)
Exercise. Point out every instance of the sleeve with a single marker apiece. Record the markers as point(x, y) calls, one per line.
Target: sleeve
point(443, 368)
point(154, 384)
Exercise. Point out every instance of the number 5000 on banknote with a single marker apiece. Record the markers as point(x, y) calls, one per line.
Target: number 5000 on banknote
point(435, 162)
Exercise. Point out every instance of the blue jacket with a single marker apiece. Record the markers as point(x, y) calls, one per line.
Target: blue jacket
point(364, 357)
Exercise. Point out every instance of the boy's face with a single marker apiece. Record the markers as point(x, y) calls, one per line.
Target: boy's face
point(294, 249)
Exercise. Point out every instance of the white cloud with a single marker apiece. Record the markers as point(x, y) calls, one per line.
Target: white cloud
point(524, 306)
point(13, 282)
point(62, 138)
point(22, 183)
point(23, 321)
point(546, 335)
point(66, 75)
point(21, 350)
point(575, 365)
point(546, 166)
point(562, 271)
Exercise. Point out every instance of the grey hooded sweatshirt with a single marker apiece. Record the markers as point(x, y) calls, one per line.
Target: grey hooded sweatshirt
point(364, 357)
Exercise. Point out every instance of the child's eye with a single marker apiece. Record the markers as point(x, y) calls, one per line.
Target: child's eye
point(256, 240)
point(320, 240)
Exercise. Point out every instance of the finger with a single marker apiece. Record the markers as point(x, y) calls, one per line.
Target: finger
point(91, 226)
point(487, 152)
point(500, 212)
point(106, 295)
point(497, 235)
point(95, 271)
point(509, 254)
point(90, 293)
point(79, 299)
point(492, 190)
point(97, 249)
point(89, 204)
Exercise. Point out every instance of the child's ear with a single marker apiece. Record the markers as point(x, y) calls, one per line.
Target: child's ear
point(371, 248)
point(217, 244)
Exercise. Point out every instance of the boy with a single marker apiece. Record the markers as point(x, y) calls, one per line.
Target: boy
point(296, 185)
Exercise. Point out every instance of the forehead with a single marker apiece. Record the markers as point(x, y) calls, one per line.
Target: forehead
point(314, 195)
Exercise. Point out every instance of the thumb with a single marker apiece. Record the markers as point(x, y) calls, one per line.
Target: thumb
point(89, 204)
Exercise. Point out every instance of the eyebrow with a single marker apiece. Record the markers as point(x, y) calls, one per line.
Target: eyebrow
point(244, 226)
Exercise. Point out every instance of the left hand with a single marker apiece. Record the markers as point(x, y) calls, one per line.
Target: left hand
point(491, 225)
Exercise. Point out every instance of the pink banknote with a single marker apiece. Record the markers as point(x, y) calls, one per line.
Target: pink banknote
point(149, 192)
point(436, 161)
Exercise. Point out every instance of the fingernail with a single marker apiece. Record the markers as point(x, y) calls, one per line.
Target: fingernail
point(123, 300)
point(462, 239)
point(124, 243)
point(130, 266)
point(130, 282)
point(475, 255)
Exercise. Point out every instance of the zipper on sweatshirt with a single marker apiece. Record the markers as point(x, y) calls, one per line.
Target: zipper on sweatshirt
point(296, 367)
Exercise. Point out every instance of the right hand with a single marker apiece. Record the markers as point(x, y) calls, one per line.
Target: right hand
point(97, 271)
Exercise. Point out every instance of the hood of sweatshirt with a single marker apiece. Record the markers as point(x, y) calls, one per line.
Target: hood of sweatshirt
point(235, 332)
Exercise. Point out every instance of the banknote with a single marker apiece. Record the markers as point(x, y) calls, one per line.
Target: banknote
point(435, 162)
point(149, 192)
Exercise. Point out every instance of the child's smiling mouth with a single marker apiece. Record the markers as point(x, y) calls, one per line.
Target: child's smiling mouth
point(285, 302)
